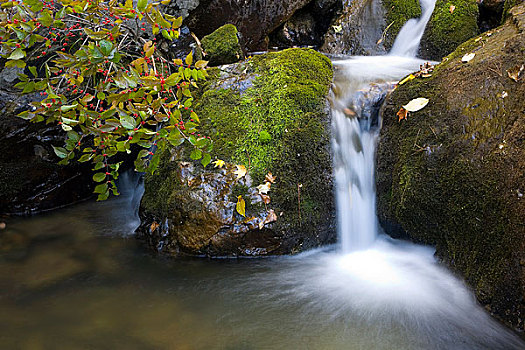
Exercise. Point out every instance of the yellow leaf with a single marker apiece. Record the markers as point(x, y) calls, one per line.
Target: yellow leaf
point(189, 59)
point(410, 77)
point(416, 104)
point(452, 8)
point(147, 45)
point(241, 206)
point(219, 163)
point(240, 172)
point(150, 51)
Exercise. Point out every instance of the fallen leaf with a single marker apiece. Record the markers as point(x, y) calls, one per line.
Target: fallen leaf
point(452, 8)
point(270, 178)
point(402, 114)
point(263, 189)
point(468, 57)
point(271, 217)
point(219, 163)
point(515, 73)
point(153, 227)
point(338, 29)
point(240, 172)
point(266, 198)
point(241, 206)
point(416, 104)
point(504, 94)
point(410, 77)
point(349, 112)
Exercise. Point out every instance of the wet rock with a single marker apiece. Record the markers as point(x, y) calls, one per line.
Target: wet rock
point(222, 46)
point(30, 179)
point(368, 27)
point(449, 27)
point(307, 26)
point(270, 115)
point(452, 174)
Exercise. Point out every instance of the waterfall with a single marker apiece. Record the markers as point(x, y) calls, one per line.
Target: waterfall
point(360, 87)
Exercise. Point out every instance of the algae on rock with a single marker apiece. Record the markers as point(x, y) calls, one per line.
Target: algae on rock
point(269, 114)
point(453, 174)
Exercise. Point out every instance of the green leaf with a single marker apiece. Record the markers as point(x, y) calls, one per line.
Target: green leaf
point(101, 188)
point(99, 165)
point(141, 5)
point(101, 95)
point(60, 151)
point(99, 177)
point(206, 159)
point(105, 47)
point(17, 54)
point(68, 108)
point(127, 121)
point(32, 69)
point(196, 154)
point(45, 18)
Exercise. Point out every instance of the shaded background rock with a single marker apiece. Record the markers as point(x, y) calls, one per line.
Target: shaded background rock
point(361, 29)
point(453, 174)
point(269, 114)
point(255, 19)
point(307, 26)
point(30, 178)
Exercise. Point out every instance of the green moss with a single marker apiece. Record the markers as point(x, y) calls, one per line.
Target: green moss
point(397, 13)
point(222, 46)
point(508, 5)
point(446, 31)
point(290, 84)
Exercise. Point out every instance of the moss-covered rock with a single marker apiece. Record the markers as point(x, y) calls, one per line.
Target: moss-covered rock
point(453, 174)
point(508, 5)
point(397, 13)
point(270, 115)
point(449, 27)
point(222, 46)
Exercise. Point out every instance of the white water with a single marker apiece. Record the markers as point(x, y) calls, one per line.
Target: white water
point(377, 277)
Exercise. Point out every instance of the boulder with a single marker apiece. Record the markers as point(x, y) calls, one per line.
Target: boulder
point(222, 46)
point(30, 178)
point(268, 114)
point(453, 174)
point(368, 27)
point(255, 19)
point(452, 23)
point(307, 26)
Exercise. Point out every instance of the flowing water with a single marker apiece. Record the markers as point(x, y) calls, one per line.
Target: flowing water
point(77, 279)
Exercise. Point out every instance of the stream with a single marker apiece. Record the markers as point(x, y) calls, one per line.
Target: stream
point(78, 279)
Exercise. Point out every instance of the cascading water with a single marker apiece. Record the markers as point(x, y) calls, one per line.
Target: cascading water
point(361, 84)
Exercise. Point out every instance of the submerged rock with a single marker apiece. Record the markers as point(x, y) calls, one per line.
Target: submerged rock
point(453, 174)
point(268, 114)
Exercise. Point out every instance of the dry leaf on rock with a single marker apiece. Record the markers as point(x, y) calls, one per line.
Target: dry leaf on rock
point(416, 104)
point(402, 114)
point(516, 73)
point(263, 189)
point(240, 172)
point(270, 178)
point(468, 57)
point(266, 198)
point(153, 227)
point(271, 217)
